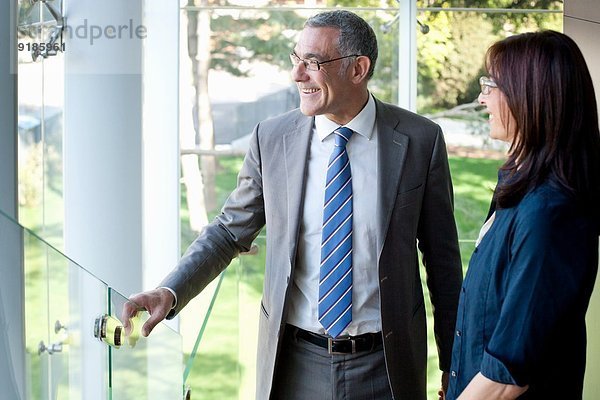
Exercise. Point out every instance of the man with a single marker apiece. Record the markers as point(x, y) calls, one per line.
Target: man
point(342, 314)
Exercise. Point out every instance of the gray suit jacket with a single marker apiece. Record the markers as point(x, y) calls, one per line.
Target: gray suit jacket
point(415, 207)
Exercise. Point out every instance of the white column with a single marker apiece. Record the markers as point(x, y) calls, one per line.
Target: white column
point(12, 334)
point(103, 139)
point(161, 141)
point(161, 174)
point(102, 161)
point(407, 54)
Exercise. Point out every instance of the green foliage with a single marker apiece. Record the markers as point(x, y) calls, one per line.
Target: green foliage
point(503, 21)
point(451, 59)
point(451, 56)
point(244, 36)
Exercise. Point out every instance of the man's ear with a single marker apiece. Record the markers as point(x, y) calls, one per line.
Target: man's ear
point(361, 69)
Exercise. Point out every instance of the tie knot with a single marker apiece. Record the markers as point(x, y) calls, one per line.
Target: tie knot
point(342, 135)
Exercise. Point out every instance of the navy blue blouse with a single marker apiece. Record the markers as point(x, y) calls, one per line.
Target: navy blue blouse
point(521, 315)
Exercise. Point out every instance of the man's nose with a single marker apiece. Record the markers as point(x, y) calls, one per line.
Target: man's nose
point(299, 72)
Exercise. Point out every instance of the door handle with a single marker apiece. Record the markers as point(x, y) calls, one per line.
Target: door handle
point(109, 330)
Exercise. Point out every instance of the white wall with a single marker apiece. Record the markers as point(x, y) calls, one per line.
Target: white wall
point(582, 23)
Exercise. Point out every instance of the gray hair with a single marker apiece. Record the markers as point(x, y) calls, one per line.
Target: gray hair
point(356, 35)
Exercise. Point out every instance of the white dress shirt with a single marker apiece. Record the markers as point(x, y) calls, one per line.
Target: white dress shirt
point(362, 151)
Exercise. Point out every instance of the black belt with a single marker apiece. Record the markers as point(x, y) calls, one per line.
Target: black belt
point(342, 345)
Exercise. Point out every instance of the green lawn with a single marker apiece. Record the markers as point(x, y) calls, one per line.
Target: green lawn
point(224, 365)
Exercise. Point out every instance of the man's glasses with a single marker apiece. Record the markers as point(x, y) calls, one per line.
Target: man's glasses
point(486, 85)
point(314, 65)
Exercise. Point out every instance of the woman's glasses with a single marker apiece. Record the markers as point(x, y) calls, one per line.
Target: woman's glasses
point(486, 84)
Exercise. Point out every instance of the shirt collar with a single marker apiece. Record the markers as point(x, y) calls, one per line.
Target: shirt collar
point(362, 124)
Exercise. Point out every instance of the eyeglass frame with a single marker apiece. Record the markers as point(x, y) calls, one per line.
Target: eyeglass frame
point(486, 84)
point(308, 64)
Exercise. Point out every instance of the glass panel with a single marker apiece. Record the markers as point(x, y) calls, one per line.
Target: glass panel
point(215, 371)
point(53, 107)
point(146, 368)
point(252, 63)
point(75, 298)
point(61, 302)
point(30, 141)
point(41, 103)
point(36, 316)
point(63, 359)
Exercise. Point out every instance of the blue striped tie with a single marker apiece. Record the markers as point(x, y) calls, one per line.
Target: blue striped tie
point(335, 279)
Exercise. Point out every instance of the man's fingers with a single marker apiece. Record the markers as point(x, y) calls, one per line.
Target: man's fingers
point(158, 304)
point(129, 311)
point(155, 317)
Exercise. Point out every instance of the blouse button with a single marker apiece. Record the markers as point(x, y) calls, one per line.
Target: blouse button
point(458, 333)
point(453, 374)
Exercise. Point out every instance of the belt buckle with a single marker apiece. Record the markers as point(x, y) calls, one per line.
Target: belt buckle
point(331, 342)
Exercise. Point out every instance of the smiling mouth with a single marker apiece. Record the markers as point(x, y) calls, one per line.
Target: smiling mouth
point(309, 91)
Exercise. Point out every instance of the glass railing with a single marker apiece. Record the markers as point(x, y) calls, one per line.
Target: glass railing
point(221, 363)
point(64, 306)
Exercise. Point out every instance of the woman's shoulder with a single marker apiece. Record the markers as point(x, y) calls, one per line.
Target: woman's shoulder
point(548, 196)
point(551, 205)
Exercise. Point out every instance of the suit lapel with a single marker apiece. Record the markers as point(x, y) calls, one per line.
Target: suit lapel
point(296, 143)
point(392, 148)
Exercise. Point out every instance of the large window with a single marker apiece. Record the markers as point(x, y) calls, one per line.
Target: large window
point(238, 73)
point(40, 121)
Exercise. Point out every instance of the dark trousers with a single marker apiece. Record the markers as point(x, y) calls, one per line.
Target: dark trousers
point(306, 371)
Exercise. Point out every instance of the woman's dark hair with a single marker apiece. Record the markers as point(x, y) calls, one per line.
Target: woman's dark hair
point(549, 92)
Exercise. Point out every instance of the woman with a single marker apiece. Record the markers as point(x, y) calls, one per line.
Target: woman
point(521, 320)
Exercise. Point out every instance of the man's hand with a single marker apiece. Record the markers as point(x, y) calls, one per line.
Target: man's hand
point(444, 389)
point(157, 302)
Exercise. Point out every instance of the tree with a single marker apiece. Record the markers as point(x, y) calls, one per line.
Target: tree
point(224, 40)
